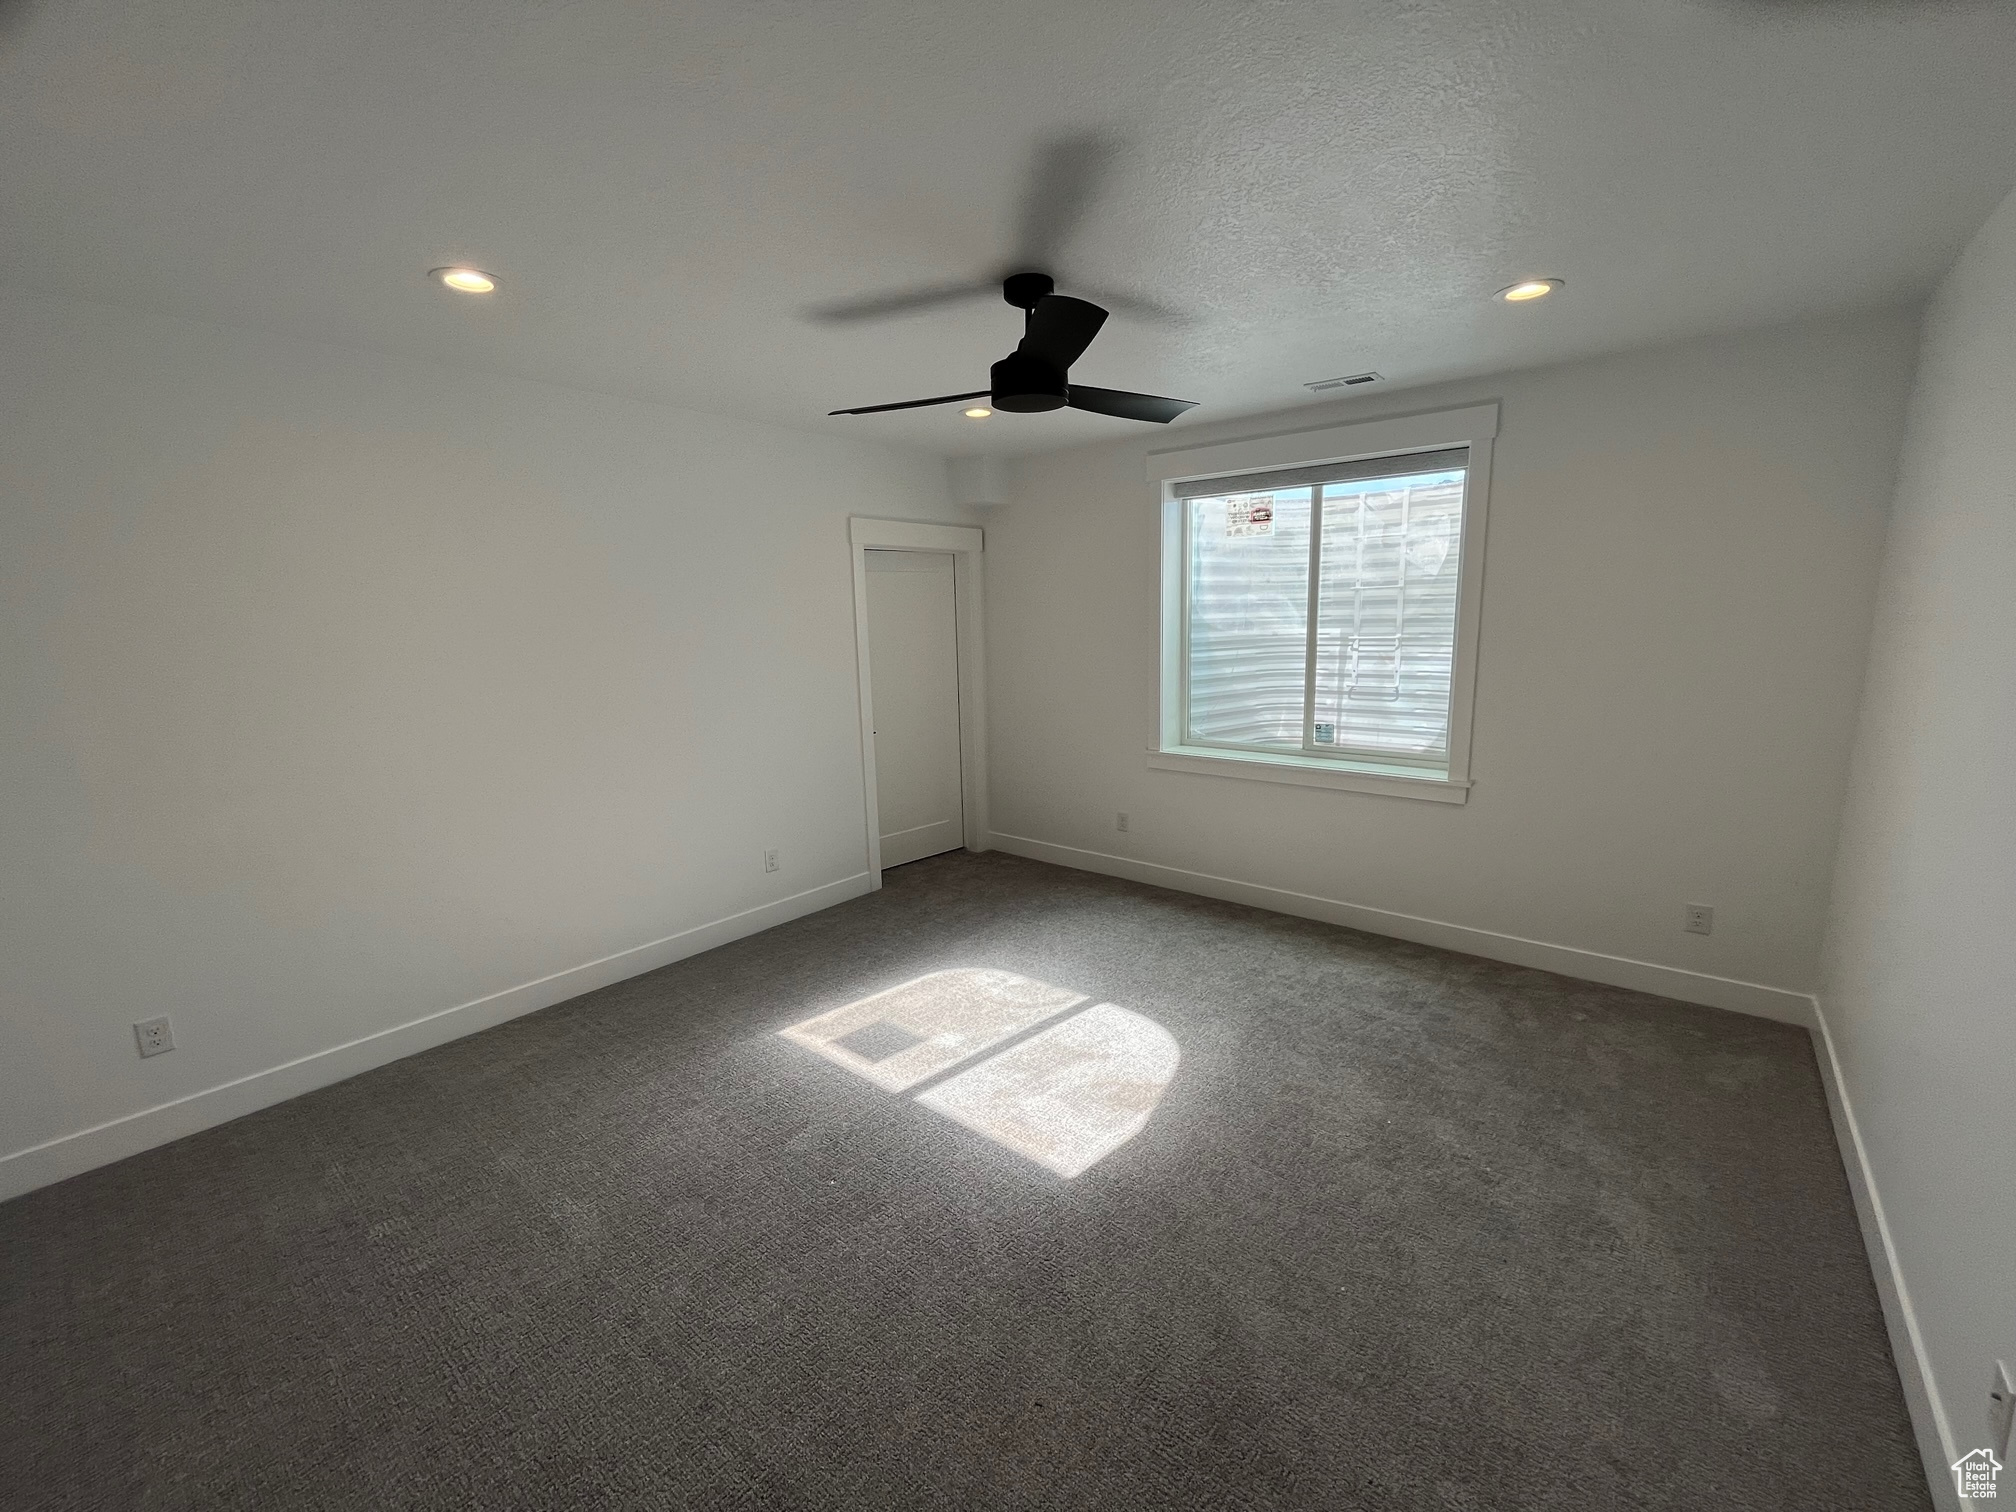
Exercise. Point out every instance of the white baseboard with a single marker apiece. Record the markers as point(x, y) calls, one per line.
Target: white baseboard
point(1777, 1003)
point(1936, 1446)
point(72, 1154)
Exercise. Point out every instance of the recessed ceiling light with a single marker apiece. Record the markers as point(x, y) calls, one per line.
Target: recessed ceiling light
point(978, 412)
point(465, 280)
point(1528, 288)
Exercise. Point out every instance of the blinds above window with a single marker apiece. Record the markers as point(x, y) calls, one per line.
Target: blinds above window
point(1406, 464)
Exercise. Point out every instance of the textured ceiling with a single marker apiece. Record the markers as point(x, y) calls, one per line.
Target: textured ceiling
point(668, 189)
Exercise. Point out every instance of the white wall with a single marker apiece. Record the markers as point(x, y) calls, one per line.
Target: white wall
point(1919, 992)
point(338, 690)
point(1678, 581)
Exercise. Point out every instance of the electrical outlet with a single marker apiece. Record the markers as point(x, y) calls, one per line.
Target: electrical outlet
point(1120, 823)
point(1700, 919)
point(2001, 1407)
point(769, 860)
point(155, 1037)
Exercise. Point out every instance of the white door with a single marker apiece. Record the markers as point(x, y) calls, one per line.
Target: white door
point(913, 680)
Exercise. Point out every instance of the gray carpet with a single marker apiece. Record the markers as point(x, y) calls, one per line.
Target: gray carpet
point(1409, 1230)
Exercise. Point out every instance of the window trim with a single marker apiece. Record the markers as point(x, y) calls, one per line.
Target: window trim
point(1475, 427)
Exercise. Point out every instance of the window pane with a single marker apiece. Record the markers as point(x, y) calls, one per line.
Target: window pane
point(1249, 595)
point(1386, 619)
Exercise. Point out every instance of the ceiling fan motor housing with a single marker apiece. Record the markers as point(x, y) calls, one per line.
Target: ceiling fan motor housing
point(1023, 290)
point(1022, 384)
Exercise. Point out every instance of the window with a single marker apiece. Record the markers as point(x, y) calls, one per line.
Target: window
point(1321, 612)
point(1367, 674)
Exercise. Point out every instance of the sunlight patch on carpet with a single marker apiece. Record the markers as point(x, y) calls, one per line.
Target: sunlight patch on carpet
point(952, 1014)
point(1064, 1097)
point(1070, 1096)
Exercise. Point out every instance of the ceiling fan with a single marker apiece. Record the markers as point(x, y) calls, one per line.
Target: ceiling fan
point(1065, 179)
point(1036, 375)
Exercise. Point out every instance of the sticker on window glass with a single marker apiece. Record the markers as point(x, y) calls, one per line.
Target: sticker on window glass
point(1326, 734)
point(1249, 515)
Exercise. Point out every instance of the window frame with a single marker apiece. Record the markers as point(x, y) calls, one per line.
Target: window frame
point(1474, 427)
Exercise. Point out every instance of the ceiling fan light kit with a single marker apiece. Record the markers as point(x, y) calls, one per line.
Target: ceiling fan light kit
point(1036, 376)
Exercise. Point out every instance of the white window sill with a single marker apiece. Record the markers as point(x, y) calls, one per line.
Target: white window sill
point(1308, 771)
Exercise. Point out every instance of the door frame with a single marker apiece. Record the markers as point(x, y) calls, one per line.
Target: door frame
point(964, 544)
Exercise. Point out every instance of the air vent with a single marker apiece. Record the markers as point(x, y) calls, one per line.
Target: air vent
point(1324, 386)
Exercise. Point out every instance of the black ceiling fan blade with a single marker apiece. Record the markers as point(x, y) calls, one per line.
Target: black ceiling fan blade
point(902, 302)
point(1063, 182)
point(1060, 328)
point(1127, 406)
point(876, 409)
point(1137, 307)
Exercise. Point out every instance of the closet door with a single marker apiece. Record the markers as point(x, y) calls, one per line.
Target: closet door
point(913, 661)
